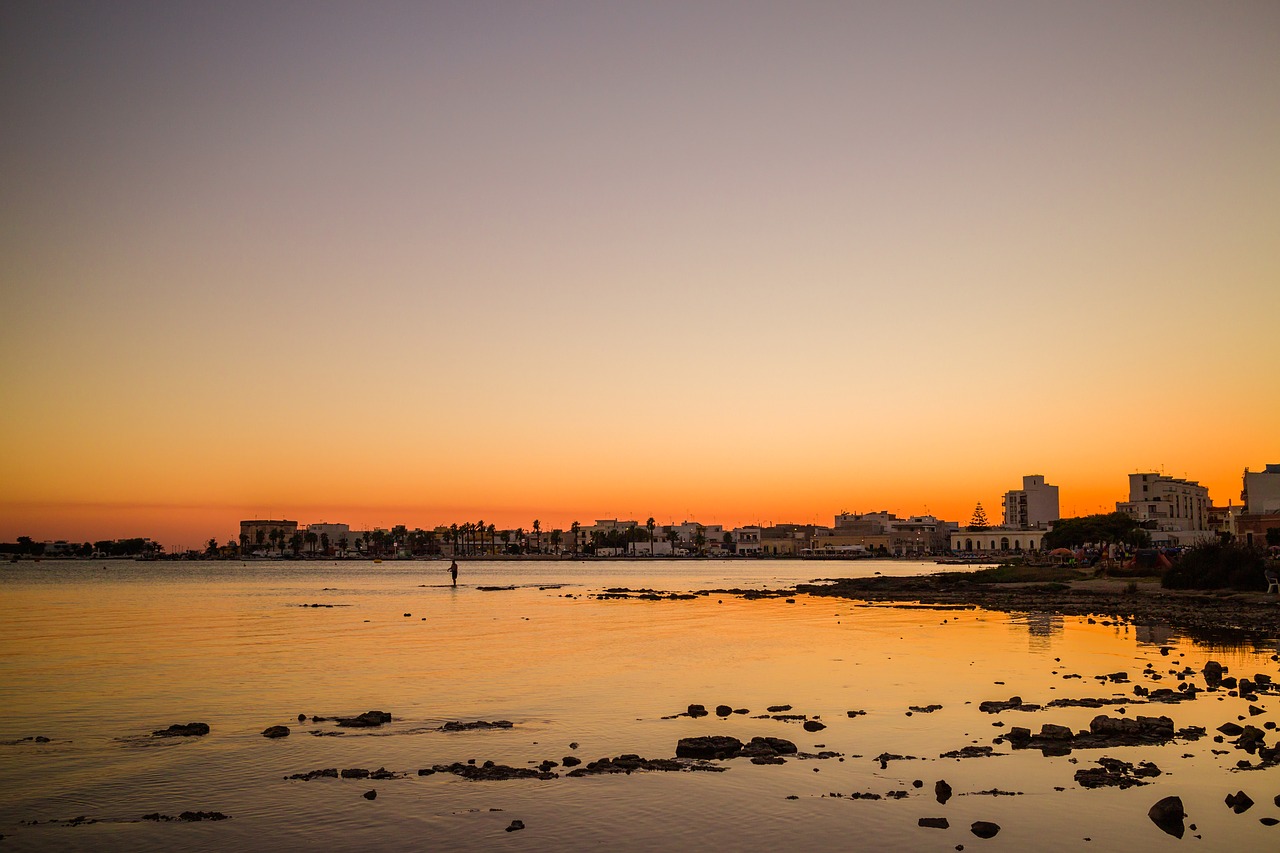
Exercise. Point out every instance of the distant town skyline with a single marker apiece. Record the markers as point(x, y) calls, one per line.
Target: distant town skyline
point(193, 536)
point(721, 260)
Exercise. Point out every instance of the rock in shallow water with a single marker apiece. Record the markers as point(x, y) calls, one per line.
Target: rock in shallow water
point(1168, 815)
point(711, 746)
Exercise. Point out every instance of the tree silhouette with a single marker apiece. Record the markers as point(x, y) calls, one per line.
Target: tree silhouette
point(979, 520)
point(650, 524)
point(537, 531)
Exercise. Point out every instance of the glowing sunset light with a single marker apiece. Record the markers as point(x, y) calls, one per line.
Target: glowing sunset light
point(571, 261)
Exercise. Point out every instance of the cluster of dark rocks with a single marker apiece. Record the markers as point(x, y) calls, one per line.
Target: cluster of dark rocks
point(630, 763)
point(1104, 732)
point(761, 750)
point(490, 772)
point(348, 773)
point(190, 817)
point(1114, 773)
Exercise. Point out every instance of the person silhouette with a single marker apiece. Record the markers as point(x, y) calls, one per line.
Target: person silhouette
point(453, 572)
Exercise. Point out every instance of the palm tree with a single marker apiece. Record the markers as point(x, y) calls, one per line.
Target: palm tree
point(519, 540)
point(259, 536)
point(324, 543)
point(453, 538)
point(493, 537)
point(213, 547)
point(650, 523)
point(537, 532)
point(342, 544)
point(295, 542)
point(312, 539)
point(673, 536)
point(244, 543)
point(574, 528)
point(555, 541)
point(700, 538)
point(276, 538)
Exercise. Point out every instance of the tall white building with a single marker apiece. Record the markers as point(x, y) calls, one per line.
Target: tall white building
point(1033, 506)
point(1167, 504)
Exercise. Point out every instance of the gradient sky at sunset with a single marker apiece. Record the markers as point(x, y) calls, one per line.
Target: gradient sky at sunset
point(430, 262)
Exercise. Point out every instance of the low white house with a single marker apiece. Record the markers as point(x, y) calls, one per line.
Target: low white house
point(995, 539)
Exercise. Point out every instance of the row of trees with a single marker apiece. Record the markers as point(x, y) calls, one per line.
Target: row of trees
point(136, 547)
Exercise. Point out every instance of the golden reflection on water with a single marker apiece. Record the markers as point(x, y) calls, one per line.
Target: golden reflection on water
point(97, 663)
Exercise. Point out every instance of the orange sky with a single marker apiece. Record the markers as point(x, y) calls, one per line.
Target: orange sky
point(587, 261)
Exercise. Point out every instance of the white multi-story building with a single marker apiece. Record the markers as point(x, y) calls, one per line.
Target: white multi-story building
point(335, 531)
point(1262, 491)
point(1033, 507)
point(1167, 506)
point(746, 541)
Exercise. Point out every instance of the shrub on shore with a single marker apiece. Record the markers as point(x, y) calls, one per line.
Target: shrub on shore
point(1218, 565)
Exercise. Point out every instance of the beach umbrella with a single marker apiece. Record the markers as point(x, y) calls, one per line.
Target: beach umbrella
point(1062, 552)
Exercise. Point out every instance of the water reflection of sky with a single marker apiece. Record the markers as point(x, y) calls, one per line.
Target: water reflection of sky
point(88, 660)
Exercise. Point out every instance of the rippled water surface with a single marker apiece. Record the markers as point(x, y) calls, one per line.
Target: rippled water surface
point(95, 656)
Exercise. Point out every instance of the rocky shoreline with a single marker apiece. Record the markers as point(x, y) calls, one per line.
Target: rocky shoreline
point(1224, 614)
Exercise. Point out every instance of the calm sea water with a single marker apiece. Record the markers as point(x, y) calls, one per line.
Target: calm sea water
point(94, 656)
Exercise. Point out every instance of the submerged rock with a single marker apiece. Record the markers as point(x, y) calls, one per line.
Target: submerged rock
point(275, 731)
point(491, 772)
point(934, 823)
point(475, 725)
point(1013, 703)
point(183, 730)
point(630, 763)
point(369, 719)
point(941, 792)
point(971, 752)
point(327, 773)
point(984, 829)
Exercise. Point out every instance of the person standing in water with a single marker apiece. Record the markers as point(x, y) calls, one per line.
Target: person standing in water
point(453, 572)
